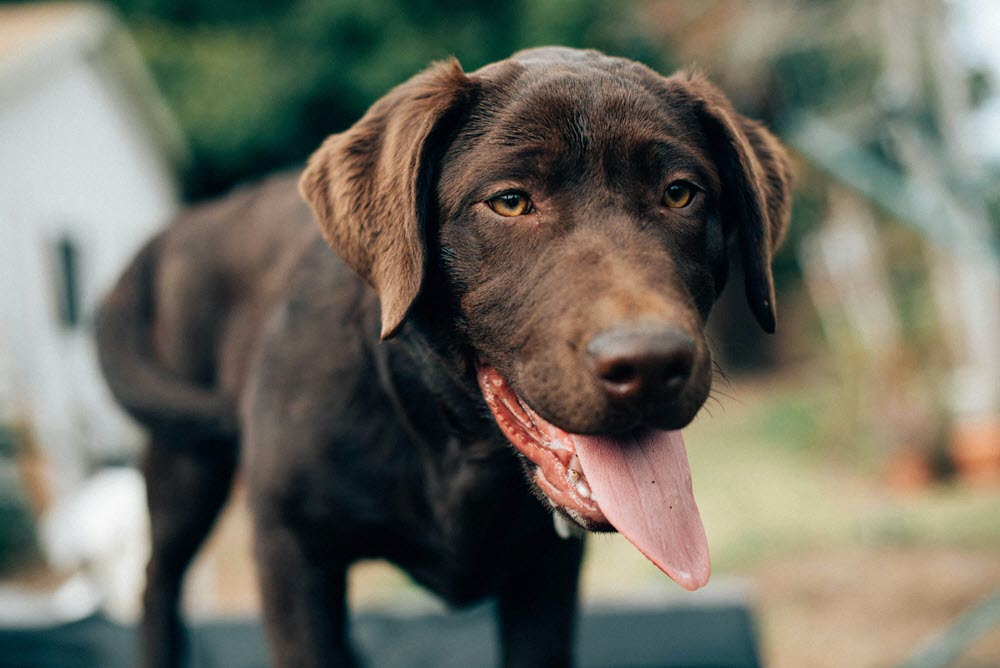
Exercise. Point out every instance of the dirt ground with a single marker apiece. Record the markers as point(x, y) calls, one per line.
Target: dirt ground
point(870, 607)
point(852, 606)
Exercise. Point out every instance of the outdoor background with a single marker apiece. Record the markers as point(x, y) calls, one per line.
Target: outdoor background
point(848, 470)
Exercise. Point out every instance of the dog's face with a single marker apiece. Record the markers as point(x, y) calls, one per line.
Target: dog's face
point(581, 209)
point(579, 215)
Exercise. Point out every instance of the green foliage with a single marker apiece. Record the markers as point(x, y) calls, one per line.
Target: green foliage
point(18, 543)
point(993, 197)
point(824, 79)
point(257, 85)
point(808, 208)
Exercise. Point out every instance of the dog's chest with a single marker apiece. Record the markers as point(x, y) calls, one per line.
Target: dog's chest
point(480, 518)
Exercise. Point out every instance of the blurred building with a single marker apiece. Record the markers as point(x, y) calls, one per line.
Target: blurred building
point(87, 173)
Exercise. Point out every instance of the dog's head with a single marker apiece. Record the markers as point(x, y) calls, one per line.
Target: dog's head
point(580, 210)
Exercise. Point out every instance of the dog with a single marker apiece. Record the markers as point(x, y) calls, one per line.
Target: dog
point(503, 352)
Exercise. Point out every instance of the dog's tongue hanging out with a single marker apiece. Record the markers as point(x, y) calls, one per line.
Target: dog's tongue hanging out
point(639, 483)
point(643, 485)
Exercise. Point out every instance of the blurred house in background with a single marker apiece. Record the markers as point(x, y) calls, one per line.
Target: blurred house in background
point(88, 173)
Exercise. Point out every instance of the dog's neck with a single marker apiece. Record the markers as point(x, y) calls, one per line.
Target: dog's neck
point(438, 404)
point(432, 382)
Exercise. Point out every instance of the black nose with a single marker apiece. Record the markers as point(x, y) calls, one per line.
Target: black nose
point(642, 361)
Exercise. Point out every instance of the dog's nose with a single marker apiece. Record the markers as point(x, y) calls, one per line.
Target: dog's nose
point(642, 361)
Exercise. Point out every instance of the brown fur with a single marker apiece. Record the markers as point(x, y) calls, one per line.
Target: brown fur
point(237, 329)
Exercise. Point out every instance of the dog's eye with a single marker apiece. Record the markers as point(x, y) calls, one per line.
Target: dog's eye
point(510, 204)
point(678, 194)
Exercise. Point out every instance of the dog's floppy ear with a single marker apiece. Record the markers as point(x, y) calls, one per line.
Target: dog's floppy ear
point(369, 186)
point(756, 179)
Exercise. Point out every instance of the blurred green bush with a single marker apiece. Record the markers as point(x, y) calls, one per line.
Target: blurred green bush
point(258, 84)
point(18, 541)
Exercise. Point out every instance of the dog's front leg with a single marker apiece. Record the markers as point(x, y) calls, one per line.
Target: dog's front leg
point(304, 601)
point(538, 605)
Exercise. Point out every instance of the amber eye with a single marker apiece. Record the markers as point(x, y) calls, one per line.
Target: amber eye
point(678, 194)
point(510, 204)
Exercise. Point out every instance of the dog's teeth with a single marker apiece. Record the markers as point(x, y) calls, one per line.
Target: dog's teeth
point(576, 480)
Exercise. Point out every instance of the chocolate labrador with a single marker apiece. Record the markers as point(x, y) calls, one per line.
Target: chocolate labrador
point(503, 353)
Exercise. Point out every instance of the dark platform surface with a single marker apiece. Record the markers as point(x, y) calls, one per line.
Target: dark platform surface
point(718, 636)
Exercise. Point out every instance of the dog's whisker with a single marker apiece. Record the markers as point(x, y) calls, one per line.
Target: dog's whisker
point(719, 372)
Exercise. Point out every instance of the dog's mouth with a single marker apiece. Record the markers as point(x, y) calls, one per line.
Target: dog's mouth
point(638, 483)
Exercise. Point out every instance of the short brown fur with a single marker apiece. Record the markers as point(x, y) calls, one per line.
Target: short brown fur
point(236, 330)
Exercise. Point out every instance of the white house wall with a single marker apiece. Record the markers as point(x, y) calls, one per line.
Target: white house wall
point(74, 162)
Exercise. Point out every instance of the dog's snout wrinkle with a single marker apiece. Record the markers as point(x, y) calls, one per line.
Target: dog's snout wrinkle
point(642, 361)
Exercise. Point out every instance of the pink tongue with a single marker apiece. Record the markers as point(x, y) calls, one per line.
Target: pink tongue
point(642, 483)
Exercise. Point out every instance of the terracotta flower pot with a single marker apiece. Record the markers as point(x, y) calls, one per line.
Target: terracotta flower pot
point(909, 470)
point(975, 449)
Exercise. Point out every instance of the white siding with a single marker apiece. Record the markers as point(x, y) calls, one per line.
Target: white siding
point(76, 162)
